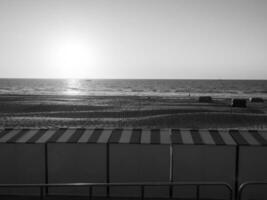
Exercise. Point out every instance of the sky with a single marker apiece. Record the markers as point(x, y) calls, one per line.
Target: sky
point(143, 39)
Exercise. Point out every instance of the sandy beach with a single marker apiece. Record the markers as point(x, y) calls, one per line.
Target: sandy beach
point(127, 111)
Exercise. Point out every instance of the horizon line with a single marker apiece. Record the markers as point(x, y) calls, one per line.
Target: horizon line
point(33, 78)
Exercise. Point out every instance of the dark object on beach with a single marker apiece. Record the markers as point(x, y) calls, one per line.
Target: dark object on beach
point(256, 100)
point(205, 99)
point(241, 103)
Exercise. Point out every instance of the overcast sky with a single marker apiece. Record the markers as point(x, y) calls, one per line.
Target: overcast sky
point(218, 39)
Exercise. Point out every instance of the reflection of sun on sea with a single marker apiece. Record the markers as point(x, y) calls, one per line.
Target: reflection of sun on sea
point(72, 87)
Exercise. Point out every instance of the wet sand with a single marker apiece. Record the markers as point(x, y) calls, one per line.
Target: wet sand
point(127, 111)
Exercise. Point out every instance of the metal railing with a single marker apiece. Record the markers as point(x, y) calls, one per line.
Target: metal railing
point(243, 186)
point(142, 185)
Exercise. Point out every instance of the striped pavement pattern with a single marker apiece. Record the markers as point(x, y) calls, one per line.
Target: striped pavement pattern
point(136, 136)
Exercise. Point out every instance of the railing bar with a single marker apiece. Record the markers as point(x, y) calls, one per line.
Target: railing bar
point(115, 184)
point(142, 185)
point(246, 184)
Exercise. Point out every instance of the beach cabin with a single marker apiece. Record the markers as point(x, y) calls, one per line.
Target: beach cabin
point(21, 160)
point(252, 162)
point(76, 156)
point(240, 103)
point(52, 156)
point(256, 100)
point(205, 99)
point(203, 156)
point(67, 155)
point(140, 155)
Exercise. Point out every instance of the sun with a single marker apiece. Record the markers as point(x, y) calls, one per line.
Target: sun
point(71, 58)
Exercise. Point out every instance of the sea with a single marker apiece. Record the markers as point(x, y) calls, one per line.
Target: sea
point(134, 87)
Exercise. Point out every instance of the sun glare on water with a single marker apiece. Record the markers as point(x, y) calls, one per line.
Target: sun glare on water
point(72, 87)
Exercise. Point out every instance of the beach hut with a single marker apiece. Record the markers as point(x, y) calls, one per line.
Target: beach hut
point(32, 156)
point(140, 155)
point(240, 103)
point(256, 100)
point(53, 156)
point(205, 99)
point(203, 156)
point(21, 163)
point(252, 163)
point(77, 156)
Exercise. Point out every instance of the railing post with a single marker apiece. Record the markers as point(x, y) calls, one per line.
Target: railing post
point(90, 192)
point(171, 191)
point(240, 191)
point(237, 172)
point(171, 167)
point(239, 195)
point(198, 192)
point(142, 192)
point(108, 170)
point(46, 167)
point(231, 193)
point(41, 193)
